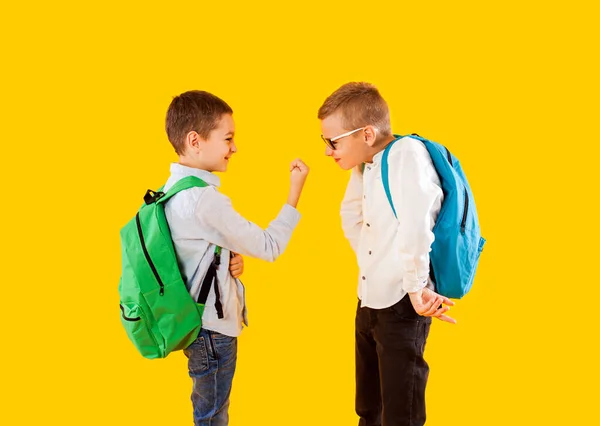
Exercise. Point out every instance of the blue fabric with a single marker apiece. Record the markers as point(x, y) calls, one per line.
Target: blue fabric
point(212, 359)
point(458, 242)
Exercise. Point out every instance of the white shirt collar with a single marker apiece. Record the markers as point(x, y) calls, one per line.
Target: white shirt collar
point(182, 171)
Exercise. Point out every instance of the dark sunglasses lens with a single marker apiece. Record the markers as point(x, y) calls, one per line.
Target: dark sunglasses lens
point(328, 143)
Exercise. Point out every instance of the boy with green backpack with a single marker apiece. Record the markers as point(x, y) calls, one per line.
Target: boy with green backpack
point(179, 253)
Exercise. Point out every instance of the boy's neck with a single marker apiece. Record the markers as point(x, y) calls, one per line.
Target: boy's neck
point(377, 148)
point(188, 162)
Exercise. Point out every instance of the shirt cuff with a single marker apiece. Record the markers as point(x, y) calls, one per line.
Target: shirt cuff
point(289, 215)
point(412, 284)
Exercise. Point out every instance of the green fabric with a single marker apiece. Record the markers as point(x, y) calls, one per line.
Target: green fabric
point(158, 318)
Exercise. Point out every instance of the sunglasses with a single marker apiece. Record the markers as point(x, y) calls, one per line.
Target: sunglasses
point(330, 142)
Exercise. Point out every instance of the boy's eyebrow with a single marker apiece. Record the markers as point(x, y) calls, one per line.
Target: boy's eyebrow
point(230, 133)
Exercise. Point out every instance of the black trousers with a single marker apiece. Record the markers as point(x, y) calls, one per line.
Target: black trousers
point(391, 373)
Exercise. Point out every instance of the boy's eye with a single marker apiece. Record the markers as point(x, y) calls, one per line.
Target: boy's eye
point(229, 139)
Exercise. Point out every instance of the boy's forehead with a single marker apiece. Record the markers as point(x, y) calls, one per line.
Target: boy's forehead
point(226, 124)
point(332, 125)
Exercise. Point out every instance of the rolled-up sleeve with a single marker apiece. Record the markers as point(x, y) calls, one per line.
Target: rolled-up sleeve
point(222, 225)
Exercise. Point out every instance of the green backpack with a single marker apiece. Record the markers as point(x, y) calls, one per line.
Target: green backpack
point(157, 311)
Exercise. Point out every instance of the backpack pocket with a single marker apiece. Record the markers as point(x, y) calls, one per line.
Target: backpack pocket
point(138, 330)
point(476, 260)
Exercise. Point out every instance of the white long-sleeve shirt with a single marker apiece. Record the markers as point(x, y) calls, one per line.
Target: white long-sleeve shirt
point(393, 254)
point(200, 218)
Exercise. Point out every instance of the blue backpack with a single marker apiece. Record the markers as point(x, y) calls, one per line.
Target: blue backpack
point(458, 243)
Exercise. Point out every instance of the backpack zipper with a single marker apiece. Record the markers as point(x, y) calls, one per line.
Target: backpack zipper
point(463, 223)
point(466, 209)
point(147, 255)
point(449, 156)
point(126, 318)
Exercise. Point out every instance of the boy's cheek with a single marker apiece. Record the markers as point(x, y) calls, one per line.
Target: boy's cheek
point(350, 163)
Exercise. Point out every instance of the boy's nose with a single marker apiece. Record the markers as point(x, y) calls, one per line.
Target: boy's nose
point(328, 151)
point(233, 148)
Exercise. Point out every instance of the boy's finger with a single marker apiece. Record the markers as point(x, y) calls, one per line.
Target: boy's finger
point(437, 301)
point(448, 301)
point(427, 307)
point(440, 312)
point(446, 318)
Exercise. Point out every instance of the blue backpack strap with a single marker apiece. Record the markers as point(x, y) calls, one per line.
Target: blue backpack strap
point(458, 243)
point(438, 153)
point(385, 172)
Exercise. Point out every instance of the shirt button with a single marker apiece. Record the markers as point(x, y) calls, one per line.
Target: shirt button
point(369, 251)
point(363, 278)
point(368, 224)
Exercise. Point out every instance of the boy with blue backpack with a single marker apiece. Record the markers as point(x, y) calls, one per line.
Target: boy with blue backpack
point(406, 197)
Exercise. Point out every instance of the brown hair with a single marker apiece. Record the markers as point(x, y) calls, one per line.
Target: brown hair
point(360, 104)
point(197, 111)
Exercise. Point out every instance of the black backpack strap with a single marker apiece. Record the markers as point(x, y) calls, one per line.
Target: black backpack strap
point(211, 279)
point(216, 263)
point(206, 283)
point(218, 305)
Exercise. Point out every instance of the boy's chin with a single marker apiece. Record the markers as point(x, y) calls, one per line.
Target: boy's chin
point(345, 166)
point(222, 167)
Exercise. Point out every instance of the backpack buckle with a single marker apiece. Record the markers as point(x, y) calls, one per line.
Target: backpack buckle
point(152, 196)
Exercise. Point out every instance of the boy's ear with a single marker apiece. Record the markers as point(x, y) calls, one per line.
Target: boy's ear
point(370, 135)
point(192, 142)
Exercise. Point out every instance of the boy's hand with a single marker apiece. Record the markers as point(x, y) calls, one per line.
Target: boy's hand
point(428, 303)
point(236, 265)
point(299, 172)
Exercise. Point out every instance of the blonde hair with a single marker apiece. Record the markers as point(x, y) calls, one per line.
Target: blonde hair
point(360, 104)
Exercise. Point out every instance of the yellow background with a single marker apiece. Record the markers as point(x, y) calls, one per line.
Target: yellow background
point(511, 87)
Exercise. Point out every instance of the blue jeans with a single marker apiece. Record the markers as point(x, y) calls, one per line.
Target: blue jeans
point(211, 364)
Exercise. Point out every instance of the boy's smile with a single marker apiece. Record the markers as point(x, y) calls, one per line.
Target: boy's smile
point(212, 154)
point(221, 143)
